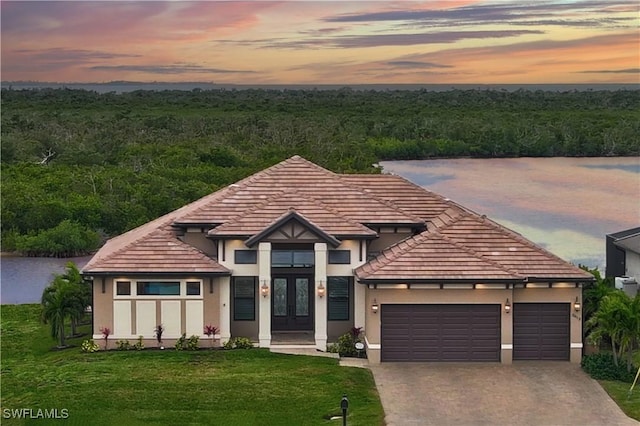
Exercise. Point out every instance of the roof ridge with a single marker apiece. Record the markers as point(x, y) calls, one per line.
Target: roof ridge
point(265, 202)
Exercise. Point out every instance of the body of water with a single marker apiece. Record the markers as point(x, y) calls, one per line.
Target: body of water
point(22, 279)
point(566, 205)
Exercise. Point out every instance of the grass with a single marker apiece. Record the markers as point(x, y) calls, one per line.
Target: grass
point(214, 387)
point(619, 392)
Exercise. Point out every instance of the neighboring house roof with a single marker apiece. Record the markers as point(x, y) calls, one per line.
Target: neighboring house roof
point(456, 245)
point(628, 239)
point(160, 251)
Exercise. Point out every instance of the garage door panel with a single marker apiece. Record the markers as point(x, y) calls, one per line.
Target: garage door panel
point(541, 331)
point(440, 332)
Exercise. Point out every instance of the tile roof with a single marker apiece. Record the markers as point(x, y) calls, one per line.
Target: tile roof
point(273, 208)
point(160, 251)
point(458, 244)
point(431, 256)
point(405, 194)
point(508, 248)
point(307, 179)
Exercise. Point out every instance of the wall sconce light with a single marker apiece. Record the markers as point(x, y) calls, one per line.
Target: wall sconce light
point(374, 306)
point(507, 307)
point(264, 290)
point(321, 290)
point(576, 304)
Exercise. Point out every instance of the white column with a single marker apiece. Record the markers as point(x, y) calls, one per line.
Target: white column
point(224, 287)
point(321, 302)
point(264, 267)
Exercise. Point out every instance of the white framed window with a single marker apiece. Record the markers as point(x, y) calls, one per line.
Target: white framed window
point(157, 289)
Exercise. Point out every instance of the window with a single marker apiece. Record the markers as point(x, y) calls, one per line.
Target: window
point(338, 303)
point(246, 256)
point(340, 257)
point(158, 288)
point(193, 288)
point(292, 258)
point(123, 288)
point(244, 298)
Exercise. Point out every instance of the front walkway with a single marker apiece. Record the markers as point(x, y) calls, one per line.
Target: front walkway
point(525, 393)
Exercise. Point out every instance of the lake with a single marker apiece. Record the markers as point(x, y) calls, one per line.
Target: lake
point(566, 205)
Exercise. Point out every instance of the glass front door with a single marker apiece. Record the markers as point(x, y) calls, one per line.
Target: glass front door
point(291, 307)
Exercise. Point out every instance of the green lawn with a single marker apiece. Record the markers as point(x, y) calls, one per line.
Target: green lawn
point(167, 387)
point(619, 391)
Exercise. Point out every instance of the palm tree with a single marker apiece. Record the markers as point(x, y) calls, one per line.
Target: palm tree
point(59, 302)
point(82, 292)
point(618, 318)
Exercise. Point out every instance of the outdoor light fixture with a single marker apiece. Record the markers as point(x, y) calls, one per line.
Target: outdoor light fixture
point(321, 290)
point(374, 306)
point(576, 304)
point(264, 289)
point(507, 307)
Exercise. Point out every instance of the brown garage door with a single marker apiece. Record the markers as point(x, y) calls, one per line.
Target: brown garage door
point(440, 332)
point(541, 331)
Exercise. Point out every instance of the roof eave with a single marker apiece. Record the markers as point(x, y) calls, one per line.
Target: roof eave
point(155, 273)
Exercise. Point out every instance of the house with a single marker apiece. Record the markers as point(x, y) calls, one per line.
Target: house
point(623, 259)
point(297, 251)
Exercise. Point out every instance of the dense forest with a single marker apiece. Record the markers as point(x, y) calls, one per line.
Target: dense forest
point(79, 166)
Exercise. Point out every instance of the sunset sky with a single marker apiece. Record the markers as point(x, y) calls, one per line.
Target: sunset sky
point(323, 42)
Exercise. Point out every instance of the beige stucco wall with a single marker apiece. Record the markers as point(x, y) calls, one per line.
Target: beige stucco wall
point(197, 237)
point(470, 296)
point(387, 237)
point(103, 310)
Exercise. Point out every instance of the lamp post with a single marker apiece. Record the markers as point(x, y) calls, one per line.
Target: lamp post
point(344, 404)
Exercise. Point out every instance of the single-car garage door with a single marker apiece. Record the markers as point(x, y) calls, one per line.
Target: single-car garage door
point(541, 331)
point(440, 332)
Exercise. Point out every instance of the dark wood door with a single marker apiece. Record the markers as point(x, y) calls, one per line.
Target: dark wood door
point(440, 332)
point(541, 331)
point(291, 303)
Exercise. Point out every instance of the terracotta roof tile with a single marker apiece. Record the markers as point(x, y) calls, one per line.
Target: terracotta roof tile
point(159, 251)
point(431, 256)
point(272, 209)
point(512, 250)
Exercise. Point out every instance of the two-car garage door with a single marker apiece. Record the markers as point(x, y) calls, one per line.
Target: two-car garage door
point(471, 332)
point(440, 332)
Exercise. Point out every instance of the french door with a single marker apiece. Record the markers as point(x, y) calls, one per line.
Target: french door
point(291, 303)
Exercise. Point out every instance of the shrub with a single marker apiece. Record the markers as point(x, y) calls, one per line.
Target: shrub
point(238, 343)
point(139, 345)
point(158, 333)
point(181, 343)
point(89, 346)
point(601, 366)
point(192, 343)
point(346, 344)
point(123, 345)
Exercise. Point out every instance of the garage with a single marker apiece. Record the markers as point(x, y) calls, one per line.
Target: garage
point(442, 332)
point(541, 331)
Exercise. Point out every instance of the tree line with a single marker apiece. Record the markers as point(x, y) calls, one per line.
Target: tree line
point(105, 163)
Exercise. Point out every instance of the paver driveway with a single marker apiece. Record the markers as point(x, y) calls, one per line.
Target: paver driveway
point(525, 393)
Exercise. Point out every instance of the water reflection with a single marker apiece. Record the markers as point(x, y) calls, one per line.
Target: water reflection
point(566, 205)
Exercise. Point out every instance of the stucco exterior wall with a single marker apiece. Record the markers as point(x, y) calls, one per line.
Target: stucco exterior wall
point(197, 237)
point(131, 316)
point(471, 296)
